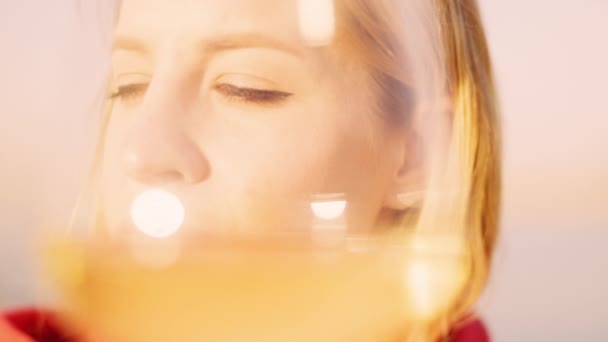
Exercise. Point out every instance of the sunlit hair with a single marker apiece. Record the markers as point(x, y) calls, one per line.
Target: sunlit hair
point(430, 69)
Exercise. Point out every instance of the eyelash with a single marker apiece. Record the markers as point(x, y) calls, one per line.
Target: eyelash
point(259, 96)
point(132, 92)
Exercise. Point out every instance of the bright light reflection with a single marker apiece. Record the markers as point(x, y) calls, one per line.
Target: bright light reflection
point(433, 285)
point(419, 279)
point(317, 21)
point(157, 213)
point(328, 210)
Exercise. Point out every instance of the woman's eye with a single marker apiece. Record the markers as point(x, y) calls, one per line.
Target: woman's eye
point(130, 93)
point(252, 95)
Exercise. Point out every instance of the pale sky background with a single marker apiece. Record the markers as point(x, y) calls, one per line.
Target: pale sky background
point(550, 278)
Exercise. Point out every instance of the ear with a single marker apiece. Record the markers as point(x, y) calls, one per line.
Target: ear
point(406, 187)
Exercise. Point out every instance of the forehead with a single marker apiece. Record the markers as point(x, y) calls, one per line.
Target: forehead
point(158, 18)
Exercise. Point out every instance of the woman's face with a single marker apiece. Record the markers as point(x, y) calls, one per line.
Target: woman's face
point(223, 104)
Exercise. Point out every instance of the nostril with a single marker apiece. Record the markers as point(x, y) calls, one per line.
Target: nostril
point(159, 178)
point(156, 172)
point(167, 177)
point(197, 171)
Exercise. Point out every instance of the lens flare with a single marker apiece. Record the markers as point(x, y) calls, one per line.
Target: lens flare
point(435, 273)
point(157, 213)
point(419, 279)
point(317, 21)
point(328, 210)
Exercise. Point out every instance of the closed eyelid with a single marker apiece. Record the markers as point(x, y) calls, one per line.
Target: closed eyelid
point(251, 95)
point(125, 79)
point(132, 76)
point(247, 81)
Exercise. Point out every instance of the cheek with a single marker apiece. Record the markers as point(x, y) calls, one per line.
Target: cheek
point(355, 165)
point(286, 164)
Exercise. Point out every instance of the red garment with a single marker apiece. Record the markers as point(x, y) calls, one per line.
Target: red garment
point(38, 326)
point(472, 330)
point(31, 325)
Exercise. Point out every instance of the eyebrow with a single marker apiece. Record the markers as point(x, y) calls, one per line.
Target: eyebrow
point(217, 44)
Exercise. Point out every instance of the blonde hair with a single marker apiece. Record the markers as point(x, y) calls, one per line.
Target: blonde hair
point(447, 84)
point(430, 59)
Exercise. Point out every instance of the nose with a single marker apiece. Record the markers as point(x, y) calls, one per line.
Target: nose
point(159, 151)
